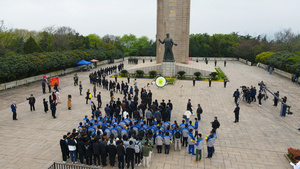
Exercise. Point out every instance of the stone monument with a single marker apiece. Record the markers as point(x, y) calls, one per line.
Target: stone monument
point(173, 17)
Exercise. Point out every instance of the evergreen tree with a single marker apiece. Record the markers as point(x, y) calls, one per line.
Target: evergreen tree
point(31, 46)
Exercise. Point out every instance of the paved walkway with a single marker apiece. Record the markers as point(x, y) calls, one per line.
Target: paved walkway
point(259, 140)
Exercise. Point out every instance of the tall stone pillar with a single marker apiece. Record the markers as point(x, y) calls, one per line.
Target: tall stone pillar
point(173, 17)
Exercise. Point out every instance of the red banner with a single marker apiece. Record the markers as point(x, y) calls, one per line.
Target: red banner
point(54, 80)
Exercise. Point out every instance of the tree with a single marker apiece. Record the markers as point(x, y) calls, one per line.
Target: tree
point(46, 41)
point(287, 39)
point(31, 46)
point(197, 74)
point(181, 73)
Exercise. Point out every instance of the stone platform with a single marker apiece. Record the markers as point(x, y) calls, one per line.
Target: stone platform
point(189, 68)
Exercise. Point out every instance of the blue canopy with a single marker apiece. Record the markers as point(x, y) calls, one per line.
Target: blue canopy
point(83, 62)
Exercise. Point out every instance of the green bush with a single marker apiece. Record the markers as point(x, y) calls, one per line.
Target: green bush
point(286, 61)
point(197, 74)
point(181, 73)
point(213, 75)
point(123, 73)
point(152, 73)
point(139, 73)
point(262, 57)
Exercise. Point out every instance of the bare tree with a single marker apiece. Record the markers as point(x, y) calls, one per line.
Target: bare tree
point(288, 38)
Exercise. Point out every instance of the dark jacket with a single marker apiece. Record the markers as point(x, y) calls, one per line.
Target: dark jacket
point(31, 100)
point(80, 145)
point(88, 149)
point(63, 145)
point(53, 106)
point(96, 148)
point(120, 150)
point(112, 150)
point(103, 148)
point(130, 152)
point(215, 124)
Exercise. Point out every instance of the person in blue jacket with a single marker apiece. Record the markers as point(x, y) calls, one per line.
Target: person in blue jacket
point(14, 110)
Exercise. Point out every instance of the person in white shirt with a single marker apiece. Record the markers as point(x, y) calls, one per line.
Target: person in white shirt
point(187, 115)
point(297, 166)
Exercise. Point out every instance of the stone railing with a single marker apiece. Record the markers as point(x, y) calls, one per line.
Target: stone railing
point(245, 61)
point(16, 83)
point(278, 71)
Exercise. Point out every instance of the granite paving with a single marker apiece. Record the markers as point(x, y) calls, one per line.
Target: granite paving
point(259, 140)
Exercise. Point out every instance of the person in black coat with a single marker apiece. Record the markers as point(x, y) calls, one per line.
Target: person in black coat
point(31, 101)
point(130, 155)
point(44, 87)
point(237, 113)
point(53, 108)
point(64, 148)
point(103, 151)
point(45, 105)
point(88, 151)
point(121, 153)
point(80, 145)
point(96, 152)
point(112, 151)
point(215, 124)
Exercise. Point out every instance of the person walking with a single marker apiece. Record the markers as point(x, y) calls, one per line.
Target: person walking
point(69, 102)
point(189, 106)
point(236, 113)
point(215, 124)
point(31, 101)
point(45, 105)
point(99, 100)
point(87, 96)
point(194, 81)
point(259, 97)
point(14, 110)
point(236, 96)
point(95, 90)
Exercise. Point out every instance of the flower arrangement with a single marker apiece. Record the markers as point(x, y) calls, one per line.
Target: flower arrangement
point(292, 153)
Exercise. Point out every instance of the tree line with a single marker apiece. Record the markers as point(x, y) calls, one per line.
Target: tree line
point(62, 47)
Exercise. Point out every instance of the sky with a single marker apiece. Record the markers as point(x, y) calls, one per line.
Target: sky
point(138, 17)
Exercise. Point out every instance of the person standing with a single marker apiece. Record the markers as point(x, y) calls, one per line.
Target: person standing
point(69, 102)
point(225, 81)
point(209, 81)
point(236, 113)
point(199, 112)
point(159, 141)
point(146, 148)
point(224, 63)
point(196, 127)
point(177, 137)
point(276, 98)
point(128, 78)
point(49, 86)
point(45, 105)
point(99, 100)
point(121, 153)
point(64, 148)
point(44, 87)
point(53, 108)
point(80, 88)
point(191, 142)
point(130, 155)
point(199, 146)
point(31, 101)
point(215, 124)
point(112, 151)
point(215, 63)
point(187, 114)
point(210, 145)
point(87, 96)
point(72, 149)
point(14, 110)
point(189, 106)
point(259, 97)
point(194, 81)
point(94, 90)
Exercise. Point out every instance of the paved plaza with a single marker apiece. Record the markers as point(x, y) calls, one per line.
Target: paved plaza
point(259, 140)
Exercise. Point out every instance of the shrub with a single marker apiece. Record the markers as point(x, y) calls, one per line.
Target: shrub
point(213, 75)
point(262, 57)
point(197, 74)
point(152, 73)
point(139, 73)
point(123, 73)
point(181, 73)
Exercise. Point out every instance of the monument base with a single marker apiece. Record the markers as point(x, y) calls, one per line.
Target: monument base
point(168, 68)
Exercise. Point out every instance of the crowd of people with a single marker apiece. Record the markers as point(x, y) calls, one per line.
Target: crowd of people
point(129, 128)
